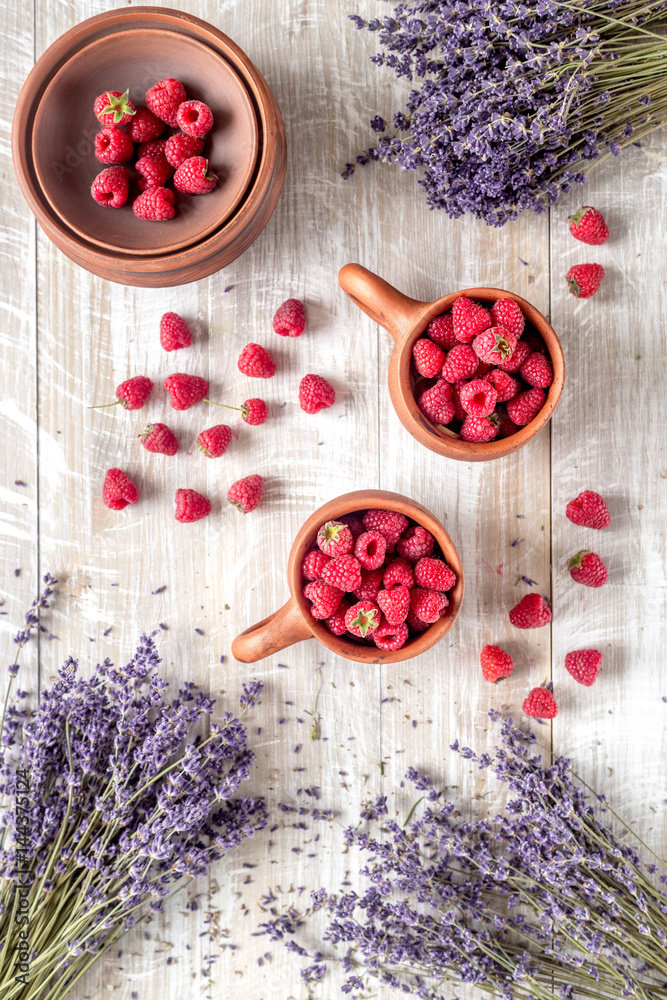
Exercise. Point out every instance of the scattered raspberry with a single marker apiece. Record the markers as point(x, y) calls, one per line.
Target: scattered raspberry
point(134, 392)
point(290, 319)
point(496, 663)
point(399, 573)
point(587, 568)
point(589, 510)
point(588, 225)
point(428, 605)
point(195, 118)
point(537, 371)
point(369, 588)
point(461, 362)
point(254, 411)
point(158, 438)
point(179, 148)
point(111, 187)
point(313, 564)
point(434, 574)
point(214, 441)
point(540, 704)
point(478, 397)
point(343, 572)
point(389, 523)
point(156, 147)
point(415, 622)
point(165, 98)
point(144, 126)
point(114, 108)
point(480, 430)
point(584, 279)
point(390, 636)
point(416, 543)
point(191, 506)
point(532, 611)
point(174, 332)
point(355, 524)
point(336, 622)
point(194, 177)
point(335, 539)
point(363, 618)
point(583, 665)
point(155, 204)
point(154, 172)
point(428, 357)
point(370, 549)
point(112, 145)
point(315, 394)
point(185, 390)
point(494, 345)
point(246, 493)
point(256, 362)
point(395, 604)
point(507, 313)
point(441, 331)
point(525, 407)
point(514, 362)
point(437, 403)
point(325, 599)
point(506, 387)
point(470, 319)
point(118, 490)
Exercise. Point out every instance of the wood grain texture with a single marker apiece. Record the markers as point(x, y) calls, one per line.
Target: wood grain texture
point(80, 336)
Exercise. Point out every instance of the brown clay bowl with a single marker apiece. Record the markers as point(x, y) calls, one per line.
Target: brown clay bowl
point(247, 145)
point(406, 319)
point(293, 622)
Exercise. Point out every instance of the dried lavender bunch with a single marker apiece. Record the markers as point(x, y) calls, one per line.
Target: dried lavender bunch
point(515, 102)
point(115, 795)
point(542, 901)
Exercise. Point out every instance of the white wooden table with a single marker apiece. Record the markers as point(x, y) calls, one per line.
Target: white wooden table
point(68, 338)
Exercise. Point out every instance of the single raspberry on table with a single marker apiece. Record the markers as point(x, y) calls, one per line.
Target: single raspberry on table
point(434, 574)
point(394, 604)
point(584, 665)
point(441, 331)
point(191, 506)
point(470, 319)
point(324, 598)
point(254, 411)
point(525, 407)
point(343, 572)
point(516, 359)
point(588, 225)
point(495, 345)
point(313, 564)
point(154, 172)
point(180, 147)
point(415, 543)
point(114, 108)
point(336, 622)
point(334, 538)
point(165, 98)
point(478, 398)
point(506, 387)
point(363, 618)
point(194, 177)
point(111, 187)
point(389, 523)
point(588, 510)
point(540, 704)
point(537, 371)
point(428, 605)
point(214, 441)
point(507, 313)
point(160, 439)
point(532, 611)
point(246, 493)
point(496, 663)
point(369, 588)
point(155, 147)
point(256, 362)
point(145, 126)
point(195, 118)
point(370, 549)
point(428, 357)
point(399, 573)
point(587, 568)
point(390, 637)
point(112, 145)
point(584, 279)
point(460, 363)
point(133, 392)
point(185, 390)
point(480, 430)
point(118, 490)
point(437, 403)
point(290, 318)
point(155, 204)
point(174, 332)
point(315, 393)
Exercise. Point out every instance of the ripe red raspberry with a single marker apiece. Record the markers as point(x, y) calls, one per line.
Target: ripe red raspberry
point(370, 549)
point(114, 108)
point(144, 126)
point(336, 622)
point(389, 523)
point(195, 118)
point(214, 441)
point(118, 490)
point(494, 345)
point(587, 568)
point(507, 313)
point(185, 390)
point(461, 362)
point(532, 611)
point(428, 357)
point(441, 331)
point(470, 319)
point(395, 604)
point(584, 279)
point(516, 359)
point(313, 564)
point(437, 403)
point(194, 177)
point(256, 362)
point(111, 187)
point(588, 225)
point(290, 318)
point(483, 368)
point(478, 398)
point(434, 574)
point(496, 663)
point(191, 506)
point(390, 636)
point(154, 172)
point(369, 588)
point(399, 573)
point(416, 543)
point(536, 371)
point(158, 438)
point(133, 392)
point(589, 510)
point(246, 493)
point(343, 572)
point(415, 622)
point(165, 98)
point(254, 411)
point(355, 523)
point(112, 145)
point(335, 539)
point(324, 598)
point(174, 332)
point(428, 605)
point(156, 147)
point(179, 148)
point(362, 619)
point(540, 704)
point(506, 387)
point(480, 430)
point(507, 426)
point(525, 407)
point(155, 204)
point(315, 394)
point(584, 665)
point(459, 412)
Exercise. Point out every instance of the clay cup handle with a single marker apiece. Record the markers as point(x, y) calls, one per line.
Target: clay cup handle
point(283, 628)
point(393, 310)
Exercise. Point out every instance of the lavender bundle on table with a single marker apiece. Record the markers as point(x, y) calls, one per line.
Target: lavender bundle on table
point(111, 803)
point(512, 102)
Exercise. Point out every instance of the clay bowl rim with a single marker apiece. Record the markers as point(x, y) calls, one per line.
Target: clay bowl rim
point(348, 503)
